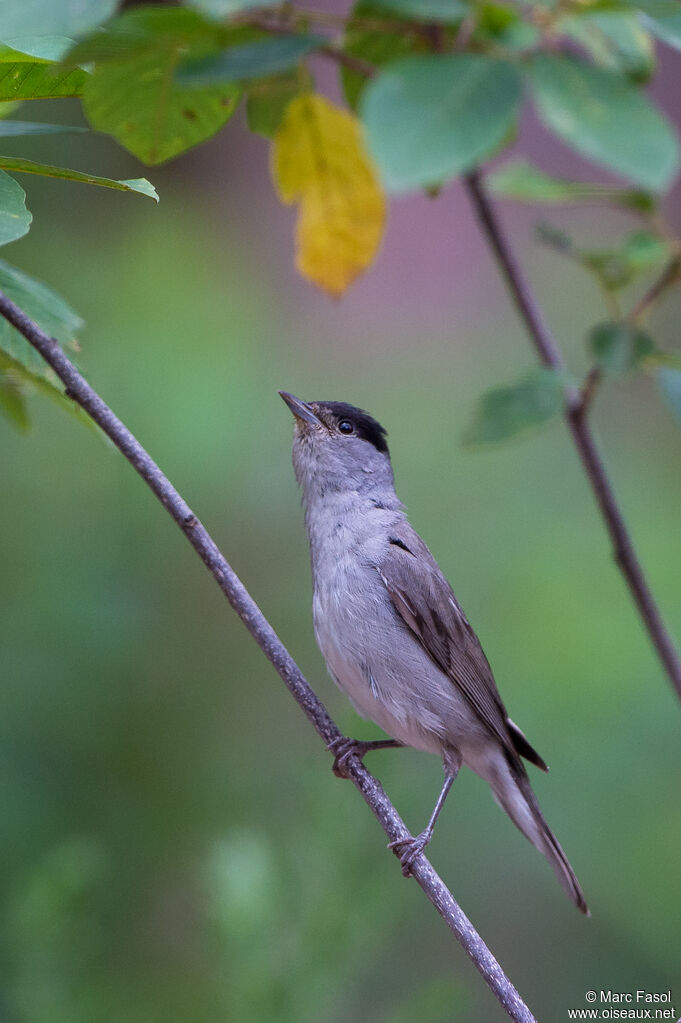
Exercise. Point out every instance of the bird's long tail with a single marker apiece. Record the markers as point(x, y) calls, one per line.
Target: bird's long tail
point(512, 789)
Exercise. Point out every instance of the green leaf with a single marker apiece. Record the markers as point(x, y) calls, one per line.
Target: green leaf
point(15, 219)
point(518, 179)
point(613, 268)
point(427, 10)
point(12, 401)
point(504, 412)
point(225, 8)
point(253, 60)
point(16, 381)
point(32, 48)
point(619, 347)
point(54, 17)
point(664, 21)
point(605, 118)
point(433, 117)
point(267, 100)
point(31, 79)
point(614, 39)
point(19, 165)
point(669, 382)
point(157, 29)
point(376, 46)
point(137, 101)
point(501, 25)
point(43, 305)
point(9, 129)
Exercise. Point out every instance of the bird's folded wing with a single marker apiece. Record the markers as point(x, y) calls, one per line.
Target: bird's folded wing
point(425, 601)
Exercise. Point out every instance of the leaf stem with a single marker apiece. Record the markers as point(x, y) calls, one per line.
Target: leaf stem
point(671, 274)
point(264, 635)
point(576, 416)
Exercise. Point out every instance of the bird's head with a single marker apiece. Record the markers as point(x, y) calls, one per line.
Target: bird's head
point(337, 447)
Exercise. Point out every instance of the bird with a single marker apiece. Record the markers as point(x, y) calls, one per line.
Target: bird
point(394, 637)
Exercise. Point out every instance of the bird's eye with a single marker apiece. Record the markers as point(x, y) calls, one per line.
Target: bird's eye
point(345, 426)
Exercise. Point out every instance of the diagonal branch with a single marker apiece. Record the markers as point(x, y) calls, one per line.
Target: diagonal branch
point(262, 632)
point(576, 417)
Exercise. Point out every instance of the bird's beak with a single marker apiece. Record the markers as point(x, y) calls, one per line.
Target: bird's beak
point(300, 409)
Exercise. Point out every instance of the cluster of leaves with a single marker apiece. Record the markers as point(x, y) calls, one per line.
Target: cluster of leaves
point(433, 88)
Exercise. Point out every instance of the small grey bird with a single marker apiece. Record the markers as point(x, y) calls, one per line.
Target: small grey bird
point(393, 635)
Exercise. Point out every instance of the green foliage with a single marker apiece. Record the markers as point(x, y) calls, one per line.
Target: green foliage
point(252, 60)
point(605, 118)
point(376, 45)
point(20, 18)
point(501, 25)
point(50, 312)
point(15, 219)
point(34, 79)
point(614, 268)
point(614, 39)
point(619, 347)
point(669, 381)
point(36, 48)
point(267, 100)
point(138, 102)
point(504, 412)
point(427, 10)
point(431, 118)
point(519, 179)
point(20, 364)
point(446, 96)
point(133, 93)
point(11, 129)
point(225, 8)
point(139, 185)
point(664, 21)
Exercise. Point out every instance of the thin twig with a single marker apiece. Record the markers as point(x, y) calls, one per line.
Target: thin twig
point(262, 632)
point(550, 355)
point(671, 274)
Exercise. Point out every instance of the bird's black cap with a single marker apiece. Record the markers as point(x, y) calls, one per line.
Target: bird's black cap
point(366, 427)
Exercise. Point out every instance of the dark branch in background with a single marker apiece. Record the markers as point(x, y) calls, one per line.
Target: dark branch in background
point(437, 892)
point(575, 414)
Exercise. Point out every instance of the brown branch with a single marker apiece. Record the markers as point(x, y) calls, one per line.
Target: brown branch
point(262, 632)
point(550, 355)
point(671, 274)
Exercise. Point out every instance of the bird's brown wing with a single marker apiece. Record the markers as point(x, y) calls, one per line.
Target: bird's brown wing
point(425, 601)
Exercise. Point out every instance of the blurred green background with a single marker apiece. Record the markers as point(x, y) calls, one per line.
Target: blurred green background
point(175, 846)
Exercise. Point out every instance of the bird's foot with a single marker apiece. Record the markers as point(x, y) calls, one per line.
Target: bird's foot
point(343, 748)
point(410, 849)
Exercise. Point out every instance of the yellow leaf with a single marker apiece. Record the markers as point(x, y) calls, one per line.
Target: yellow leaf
point(319, 161)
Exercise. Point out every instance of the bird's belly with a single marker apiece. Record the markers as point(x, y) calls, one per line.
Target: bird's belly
point(382, 667)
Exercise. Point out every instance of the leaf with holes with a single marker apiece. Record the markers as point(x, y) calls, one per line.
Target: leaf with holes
point(319, 161)
point(138, 102)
